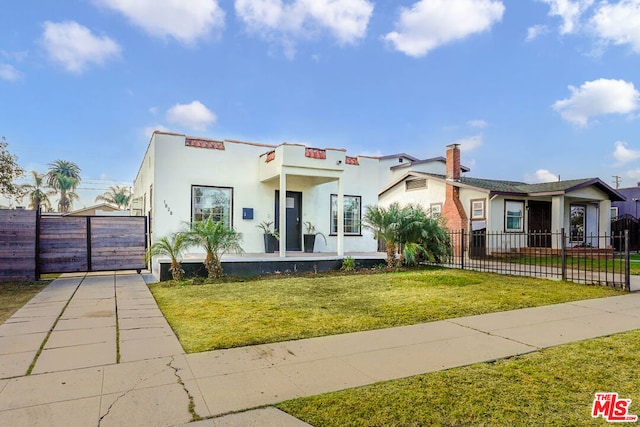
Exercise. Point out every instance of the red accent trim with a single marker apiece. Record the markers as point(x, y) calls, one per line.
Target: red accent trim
point(315, 153)
point(271, 155)
point(203, 143)
point(351, 160)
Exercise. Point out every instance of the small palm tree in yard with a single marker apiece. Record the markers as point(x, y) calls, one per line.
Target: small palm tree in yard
point(384, 223)
point(36, 192)
point(421, 236)
point(216, 238)
point(174, 247)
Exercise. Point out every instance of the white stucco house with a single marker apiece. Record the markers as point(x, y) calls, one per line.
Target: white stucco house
point(518, 211)
point(183, 179)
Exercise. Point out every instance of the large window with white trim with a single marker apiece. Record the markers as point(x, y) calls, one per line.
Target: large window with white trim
point(214, 202)
point(352, 214)
point(513, 216)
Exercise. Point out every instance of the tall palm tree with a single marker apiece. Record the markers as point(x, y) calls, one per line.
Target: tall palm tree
point(216, 238)
point(64, 177)
point(174, 247)
point(119, 196)
point(38, 196)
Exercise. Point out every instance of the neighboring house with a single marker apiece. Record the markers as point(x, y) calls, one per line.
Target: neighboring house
point(183, 179)
point(629, 206)
point(102, 209)
point(581, 207)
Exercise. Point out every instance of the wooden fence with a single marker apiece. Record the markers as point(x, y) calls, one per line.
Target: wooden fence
point(17, 245)
point(32, 244)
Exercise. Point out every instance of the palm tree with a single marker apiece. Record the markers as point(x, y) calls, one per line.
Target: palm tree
point(421, 236)
point(384, 223)
point(64, 177)
point(119, 196)
point(216, 238)
point(38, 197)
point(174, 247)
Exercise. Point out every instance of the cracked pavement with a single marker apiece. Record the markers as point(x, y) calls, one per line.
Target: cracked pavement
point(79, 380)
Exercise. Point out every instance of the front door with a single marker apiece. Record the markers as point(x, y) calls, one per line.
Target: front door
point(294, 223)
point(539, 224)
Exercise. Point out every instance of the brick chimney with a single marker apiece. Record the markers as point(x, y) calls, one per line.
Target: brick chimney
point(453, 210)
point(453, 162)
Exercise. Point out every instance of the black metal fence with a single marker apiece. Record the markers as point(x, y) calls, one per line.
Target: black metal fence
point(593, 259)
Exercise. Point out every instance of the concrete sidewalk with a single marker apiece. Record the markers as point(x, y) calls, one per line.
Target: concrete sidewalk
point(77, 380)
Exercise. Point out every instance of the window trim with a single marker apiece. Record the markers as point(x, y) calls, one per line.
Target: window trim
point(616, 210)
point(331, 232)
point(584, 222)
point(484, 209)
point(231, 200)
point(522, 203)
point(440, 205)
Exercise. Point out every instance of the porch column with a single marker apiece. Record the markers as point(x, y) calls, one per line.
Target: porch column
point(282, 220)
point(340, 243)
point(604, 223)
point(557, 219)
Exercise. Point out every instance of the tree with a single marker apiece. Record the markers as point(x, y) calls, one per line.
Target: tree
point(64, 177)
point(216, 239)
point(118, 196)
point(9, 171)
point(384, 223)
point(38, 196)
point(174, 247)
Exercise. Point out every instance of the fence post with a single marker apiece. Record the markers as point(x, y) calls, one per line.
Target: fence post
point(627, 268)
point(89, 243)
point(37, 254)
point(563, 255)
point(462, 246)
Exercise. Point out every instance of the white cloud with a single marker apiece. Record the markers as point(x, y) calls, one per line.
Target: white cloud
point(536, 31)
point(275, 20)
point(542, 175)
point(598, 97)
point(9, 73)
point(623, 154)
point(570, 11)
point(481, 124)
point(74, 46)
point(148, 131)
point(618, 23)
point(470, 143)
point(185, 21)
point(193, 116)
point(429, 24)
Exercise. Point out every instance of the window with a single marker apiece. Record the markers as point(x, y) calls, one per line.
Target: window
point(514, 214)
point(436, 210)
point(578, 214)
point(614, 212)
point(352, 213)
point(477, 209)
point(212, 202)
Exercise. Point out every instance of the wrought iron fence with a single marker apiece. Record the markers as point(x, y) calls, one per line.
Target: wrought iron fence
point(593, 259)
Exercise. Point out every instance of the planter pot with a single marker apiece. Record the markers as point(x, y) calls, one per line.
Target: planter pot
point(309, 242)
point(271, 244)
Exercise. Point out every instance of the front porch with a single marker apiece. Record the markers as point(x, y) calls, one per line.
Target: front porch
point(255, 264)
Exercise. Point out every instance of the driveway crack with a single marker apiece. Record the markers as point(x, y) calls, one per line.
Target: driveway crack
point(192, 405)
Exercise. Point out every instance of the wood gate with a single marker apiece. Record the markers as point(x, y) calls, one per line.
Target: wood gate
point(92, 243)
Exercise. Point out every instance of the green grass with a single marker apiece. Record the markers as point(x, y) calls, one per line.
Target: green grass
point(13, 295)
point(223, 315)
point(553, 387)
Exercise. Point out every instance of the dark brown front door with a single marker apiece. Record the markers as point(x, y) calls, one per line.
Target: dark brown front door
point(539, 224)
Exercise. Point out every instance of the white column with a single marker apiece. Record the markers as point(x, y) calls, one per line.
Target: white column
point(557, 218)
point(282, 220)
point(340, 243)
point(604, 225)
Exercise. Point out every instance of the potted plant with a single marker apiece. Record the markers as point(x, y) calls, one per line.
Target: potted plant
point(271, 238)
point(310, 237)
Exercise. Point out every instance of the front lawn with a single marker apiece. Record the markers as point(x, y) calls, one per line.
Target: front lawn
point(223, 315)
point(13, 295)
point(552, 387)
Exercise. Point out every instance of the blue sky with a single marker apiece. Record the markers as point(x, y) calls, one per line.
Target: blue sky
point(532, 89)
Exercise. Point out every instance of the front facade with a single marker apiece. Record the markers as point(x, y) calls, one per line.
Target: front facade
point(183, 179)
point(514, 209)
